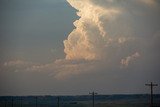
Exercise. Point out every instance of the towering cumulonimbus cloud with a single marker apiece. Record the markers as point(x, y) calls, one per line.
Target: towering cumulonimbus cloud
point(105, 25)
point(89, 38)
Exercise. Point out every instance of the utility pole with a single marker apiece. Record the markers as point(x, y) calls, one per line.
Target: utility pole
point(36, 101)
point(93, 97)
point(151, 85)
point(5, 103)
point(58, 99)
point(21, 101)
point(12, 101)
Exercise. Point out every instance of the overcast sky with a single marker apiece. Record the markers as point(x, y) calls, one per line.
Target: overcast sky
point(52, 47)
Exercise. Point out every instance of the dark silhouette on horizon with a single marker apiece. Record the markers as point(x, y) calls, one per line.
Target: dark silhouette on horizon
point(151, 85)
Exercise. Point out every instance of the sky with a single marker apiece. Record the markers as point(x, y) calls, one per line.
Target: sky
point(73, 47)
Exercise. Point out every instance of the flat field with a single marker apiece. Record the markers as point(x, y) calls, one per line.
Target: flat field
point(139, 100)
